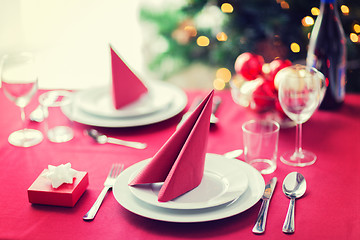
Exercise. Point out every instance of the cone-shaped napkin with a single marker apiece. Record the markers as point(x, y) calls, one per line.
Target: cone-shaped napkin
point(180, 161)
point(126, 86)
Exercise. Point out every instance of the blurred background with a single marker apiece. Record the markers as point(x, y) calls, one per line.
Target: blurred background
point(181, 41)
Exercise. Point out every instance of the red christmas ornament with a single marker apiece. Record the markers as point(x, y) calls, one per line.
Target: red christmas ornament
point(264, 94)
point(264, 97)
point(275, 66)
point(249, 65)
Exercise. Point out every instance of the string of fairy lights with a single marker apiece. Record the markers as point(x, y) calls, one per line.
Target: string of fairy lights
point(223, 75)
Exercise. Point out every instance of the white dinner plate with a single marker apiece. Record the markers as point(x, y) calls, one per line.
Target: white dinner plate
point(178, 103)
point(223, 181)
point(249, 198)
point(99, 101)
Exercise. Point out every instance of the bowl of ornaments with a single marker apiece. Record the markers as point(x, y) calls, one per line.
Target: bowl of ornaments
point(254, 87)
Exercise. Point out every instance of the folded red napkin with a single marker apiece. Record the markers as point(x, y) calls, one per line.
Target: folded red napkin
point(180, 161)
point(126, 86)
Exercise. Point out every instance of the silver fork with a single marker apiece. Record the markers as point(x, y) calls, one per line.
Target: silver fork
point(115, 170)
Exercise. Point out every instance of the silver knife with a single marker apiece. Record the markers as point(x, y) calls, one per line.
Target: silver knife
point(261, 219)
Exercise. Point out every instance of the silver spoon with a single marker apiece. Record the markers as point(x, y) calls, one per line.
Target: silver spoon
point(102, 139)
point(294, 186)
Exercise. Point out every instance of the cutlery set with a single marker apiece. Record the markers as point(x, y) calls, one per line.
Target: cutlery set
point(294, 186)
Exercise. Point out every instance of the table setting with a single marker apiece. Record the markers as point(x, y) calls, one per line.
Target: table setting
point(149, 160)
point(132, 102)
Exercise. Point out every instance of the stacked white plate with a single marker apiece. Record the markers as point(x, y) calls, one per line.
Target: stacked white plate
point(95, 106)
point(229, 187)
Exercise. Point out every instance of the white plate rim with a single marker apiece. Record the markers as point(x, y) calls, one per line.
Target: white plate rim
point(226, 171)
point(251, 196)
point(155, 91)
point(73, 112)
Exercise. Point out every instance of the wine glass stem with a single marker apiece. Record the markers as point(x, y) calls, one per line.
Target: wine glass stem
point(298, 141)
point(22, 114)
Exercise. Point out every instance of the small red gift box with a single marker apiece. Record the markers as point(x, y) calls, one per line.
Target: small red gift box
point(42, 192)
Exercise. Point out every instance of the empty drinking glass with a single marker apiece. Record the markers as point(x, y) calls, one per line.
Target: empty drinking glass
point(261, 144)
point(56, 123)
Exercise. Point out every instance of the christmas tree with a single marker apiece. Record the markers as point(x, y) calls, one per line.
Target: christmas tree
point(216, 32)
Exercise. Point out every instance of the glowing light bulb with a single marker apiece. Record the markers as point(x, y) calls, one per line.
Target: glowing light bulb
point(203, 41)
point(295, 47)
point(345, 10)
point(307, 21)
point(224, 74)
point(221, 36)
point(315, 11)
point(284, 5)
point(354, 38)
point(357, 28)
point(227, 8)
point(219, 84)
point(191, 30)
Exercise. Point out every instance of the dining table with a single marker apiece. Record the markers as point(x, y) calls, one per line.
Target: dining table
point(329, 209)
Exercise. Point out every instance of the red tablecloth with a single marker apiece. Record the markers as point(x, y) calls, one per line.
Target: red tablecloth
point(329, 209)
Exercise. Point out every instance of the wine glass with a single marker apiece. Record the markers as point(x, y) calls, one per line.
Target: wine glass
point(19, 83)
point(301, 90)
